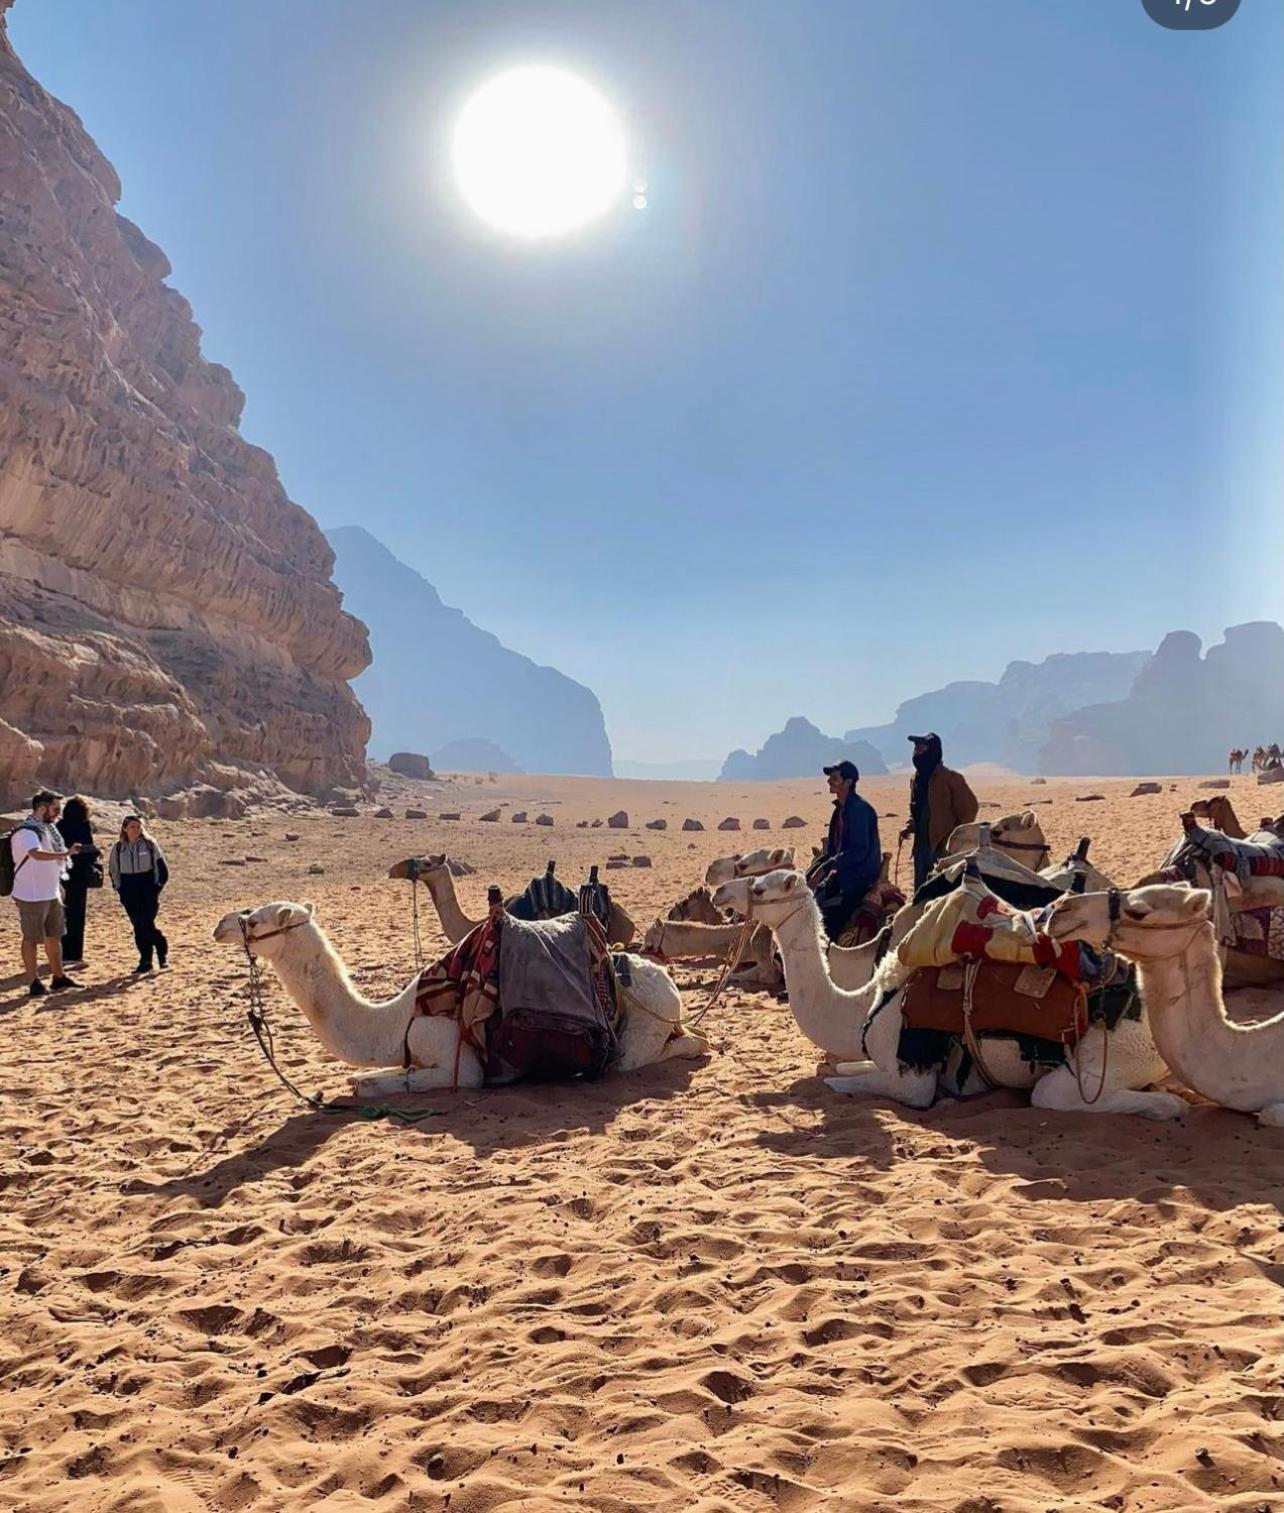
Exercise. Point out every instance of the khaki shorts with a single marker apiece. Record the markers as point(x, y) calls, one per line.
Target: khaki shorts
point(41, 921)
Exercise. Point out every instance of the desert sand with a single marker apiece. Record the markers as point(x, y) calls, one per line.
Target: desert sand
point(708, 1286)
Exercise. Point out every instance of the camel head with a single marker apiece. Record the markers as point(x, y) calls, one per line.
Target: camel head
point(1153, 922)
point(696, 908)
point(419, 868)
point(772, 897)
point(1021, 834)
point(266, 927)
point(748, 864)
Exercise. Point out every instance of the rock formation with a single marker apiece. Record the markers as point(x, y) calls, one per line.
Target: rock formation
point(438, 678)
point(799, 750)
point(166, 612)
point(473, 755)
point(1008, 721)
point(1184, 710)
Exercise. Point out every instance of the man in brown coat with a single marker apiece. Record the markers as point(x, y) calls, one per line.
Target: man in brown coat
point(940, 799)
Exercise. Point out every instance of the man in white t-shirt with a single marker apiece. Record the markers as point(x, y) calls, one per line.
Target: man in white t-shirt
point(40, 859)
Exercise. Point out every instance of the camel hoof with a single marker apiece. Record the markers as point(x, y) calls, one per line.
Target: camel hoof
point(1272, 1117)
point(1166, 1106)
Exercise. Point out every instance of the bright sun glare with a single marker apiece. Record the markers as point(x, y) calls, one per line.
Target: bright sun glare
point(538, 152)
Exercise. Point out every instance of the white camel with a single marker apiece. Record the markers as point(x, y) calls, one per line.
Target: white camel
point(367, 1034)
point(1019, 836)
point(1166, 930)
point(865, 1045)
point(435, 874)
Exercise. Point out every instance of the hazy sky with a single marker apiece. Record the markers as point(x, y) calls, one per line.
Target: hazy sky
point(951, 332)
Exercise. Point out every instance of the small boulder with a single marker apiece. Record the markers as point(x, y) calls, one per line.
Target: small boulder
point(543, 819)
point(416, 814)
point(692, 825)
point(345, 812)
point(614, 866)
point(762, 824)
point(657, 824)
point(491, 817)
point(581, 824)
point(1037, 781)
point(233, 861)
point(519, 817)
point(641, 861)
point(172, 808)
point(256, 858)
point(1089, 798)
point(596, 825)
point(730, 823)
point(410, 764)
point(1216, 783)
point(384, 814)
point(619, 820)
point(794, 822)
point(455, 816)
point(316, 869)
point(618, 856)
point(1144, 788)
point(291, 835)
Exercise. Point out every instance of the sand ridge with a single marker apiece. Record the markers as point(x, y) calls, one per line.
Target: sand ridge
point(708, 1286)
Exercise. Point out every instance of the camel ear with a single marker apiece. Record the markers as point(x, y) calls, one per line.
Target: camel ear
point(284, 915)
point(791, 882)
point(311, 908)
point(1198, 905)
point(1028, 819)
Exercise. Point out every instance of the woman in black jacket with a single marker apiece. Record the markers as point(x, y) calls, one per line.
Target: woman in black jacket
point(85, 872)
point(139, 873)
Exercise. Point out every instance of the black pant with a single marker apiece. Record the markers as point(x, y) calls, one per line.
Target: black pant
point(73, 938)
point(141, 898)
point(836, 910)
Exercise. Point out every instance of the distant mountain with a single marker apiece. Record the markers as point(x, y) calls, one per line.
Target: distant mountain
point(698, 770)
point(1007, 722)
point(1183, 712)
point(438, 678)
point(472, 755)
point(799, 750)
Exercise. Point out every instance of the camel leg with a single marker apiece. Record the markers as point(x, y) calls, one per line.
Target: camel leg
point(1272, 1114)
point(916, 1089)
point(685, 1047)
point(1060, 1090)
point(419, 1079)
point(852, 1068)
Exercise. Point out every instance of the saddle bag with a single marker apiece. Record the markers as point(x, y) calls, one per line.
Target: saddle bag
point(1029, 1001)
point(546, 1046)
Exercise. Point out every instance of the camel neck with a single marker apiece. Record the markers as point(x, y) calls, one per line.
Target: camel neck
point(828, 1016)
point(350, 1027)
point(1234, 1065)
point(453, 920)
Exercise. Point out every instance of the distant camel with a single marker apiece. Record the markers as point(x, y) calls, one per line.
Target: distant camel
point(1237, 759)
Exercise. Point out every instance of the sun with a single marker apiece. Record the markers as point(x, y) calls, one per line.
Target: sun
point(538, 152)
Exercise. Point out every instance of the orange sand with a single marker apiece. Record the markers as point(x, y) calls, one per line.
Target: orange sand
point(710, 1286)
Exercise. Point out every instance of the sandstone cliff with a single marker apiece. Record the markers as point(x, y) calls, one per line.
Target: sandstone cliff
point(437, 678)
point(1184, 711)
point(799, 750)
point(1008, 721)
point(166, 612)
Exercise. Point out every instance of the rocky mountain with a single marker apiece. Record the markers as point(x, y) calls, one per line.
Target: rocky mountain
point(473, 755)
point(439, 678)
point(166, 612)
point(1007, 722)
point(799, 750)
point(1183, 712)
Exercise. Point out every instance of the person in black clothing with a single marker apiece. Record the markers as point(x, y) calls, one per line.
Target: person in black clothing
point(849, 865)
point(85, 872)
point(139, 873)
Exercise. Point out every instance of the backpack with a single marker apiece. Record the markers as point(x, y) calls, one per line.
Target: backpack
point(8, 872)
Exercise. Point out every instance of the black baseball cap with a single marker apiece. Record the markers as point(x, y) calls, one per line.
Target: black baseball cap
point(924, 740)
point(847, 770)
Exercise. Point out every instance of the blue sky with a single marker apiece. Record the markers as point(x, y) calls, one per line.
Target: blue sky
point(951, 332)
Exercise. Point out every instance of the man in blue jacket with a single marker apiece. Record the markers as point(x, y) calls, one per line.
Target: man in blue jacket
point(852, 859)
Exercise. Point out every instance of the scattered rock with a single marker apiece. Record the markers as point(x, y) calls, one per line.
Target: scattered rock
point(762, 824)
point(416, 814)
point(455, 816)
point(256, 858)
point(581, 824)
point(316, 869)
point(518, 817)
point(596, 825)
point(291, 835)
point(1216, 783)
point(384, 814)
point(614, 866)
point(730, 823)
point(1037, 781)
point(543, 819)
point(1144, 788)
point(345, 812)
point(619, 820)
point(657, 824)
point(490, 818)
point(233, 861)
point(1271, 775)
point(692, 825)
point(410, 764)
point(794, 822)
point(618, 856)
point(641, 861)
point(1089, 798)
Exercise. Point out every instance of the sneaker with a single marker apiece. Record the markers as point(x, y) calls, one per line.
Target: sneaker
point(164, 963)
point(142, 969)
point(63, 981)
point(37, 989)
